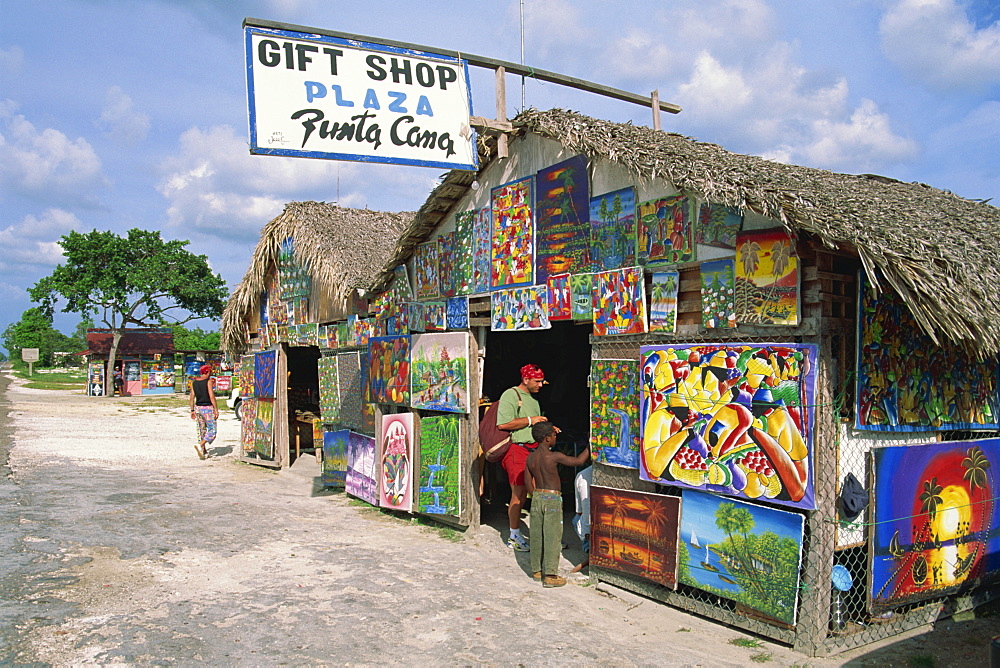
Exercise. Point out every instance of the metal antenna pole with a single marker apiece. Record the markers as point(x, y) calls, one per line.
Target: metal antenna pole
point(522, 54)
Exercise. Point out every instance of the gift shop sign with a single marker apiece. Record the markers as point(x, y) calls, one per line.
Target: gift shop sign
point(318, 96)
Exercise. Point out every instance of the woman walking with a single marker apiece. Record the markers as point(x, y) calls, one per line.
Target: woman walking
point(204, 410)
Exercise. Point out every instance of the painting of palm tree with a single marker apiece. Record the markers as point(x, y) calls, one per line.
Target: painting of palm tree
point(767, 278)
point(563, 218)
point(635, 533)
point(663, 301)
point(612, 230)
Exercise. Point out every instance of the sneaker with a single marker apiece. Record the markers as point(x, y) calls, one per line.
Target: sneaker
point(553, 581)
point(537, 575)
point(518, 544)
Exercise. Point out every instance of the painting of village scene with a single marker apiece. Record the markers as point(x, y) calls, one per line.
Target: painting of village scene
point(612, 230)
point(906, 382)
point(560, 301)
point(563, 219)
point(663, 301)
point(440, 465)
point(619, 299)
point(513, 249)
point(718, 225)
point(736, 419)
point(635, 533)
point(718, 298)
point(767, 278)
point(439, 372)
point(425, 270)
point(935, 519)
point(482, 248)
point(519, 308)
point(614, 412)
point(742, 552)
point(666, 234)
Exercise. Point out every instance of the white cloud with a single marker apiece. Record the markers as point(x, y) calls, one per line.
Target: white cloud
point(120, 120)
point(551, 26)
point(713, 91)
point(936, 42)
point(215, 186)
point(33, 243)
point(862, 143)
point(46, 164)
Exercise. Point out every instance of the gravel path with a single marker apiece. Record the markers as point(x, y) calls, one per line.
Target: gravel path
point(126, 549)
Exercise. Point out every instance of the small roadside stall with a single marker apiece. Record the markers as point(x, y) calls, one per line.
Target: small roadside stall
point(145, 359)
point(305, 273)
point(193, 360)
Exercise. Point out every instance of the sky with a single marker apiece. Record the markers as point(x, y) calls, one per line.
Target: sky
point(117, 114)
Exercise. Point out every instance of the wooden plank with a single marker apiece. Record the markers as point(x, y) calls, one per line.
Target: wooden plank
point(501, 91)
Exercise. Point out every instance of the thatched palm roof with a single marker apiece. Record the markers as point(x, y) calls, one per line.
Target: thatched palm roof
point(940, 252)
point(343, 249)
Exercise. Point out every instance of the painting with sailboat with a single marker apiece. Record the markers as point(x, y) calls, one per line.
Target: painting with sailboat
point(743, 552)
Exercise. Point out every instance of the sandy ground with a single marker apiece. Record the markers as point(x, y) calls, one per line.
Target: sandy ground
point(126, 549)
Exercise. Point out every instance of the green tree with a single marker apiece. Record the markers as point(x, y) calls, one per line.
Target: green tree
point(139, 280)
point(34, 330)
point(194, 338)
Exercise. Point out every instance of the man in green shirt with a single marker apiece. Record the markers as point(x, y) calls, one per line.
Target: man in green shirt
point(518, 411)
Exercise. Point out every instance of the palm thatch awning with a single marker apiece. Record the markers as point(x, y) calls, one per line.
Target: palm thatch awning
point(342, 249)
point(940, 252)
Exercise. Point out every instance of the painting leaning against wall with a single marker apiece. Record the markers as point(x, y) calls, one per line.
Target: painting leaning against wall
point(440, 465)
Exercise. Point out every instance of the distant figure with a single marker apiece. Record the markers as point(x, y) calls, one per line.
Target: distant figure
point(119, 381)
point(542, 475)
point(204, 410)
point(581, 521)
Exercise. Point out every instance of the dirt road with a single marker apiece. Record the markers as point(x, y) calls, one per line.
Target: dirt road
point(124, 548)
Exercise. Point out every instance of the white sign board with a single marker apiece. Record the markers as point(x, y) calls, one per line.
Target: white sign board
point(29, 354)
point(315, 96)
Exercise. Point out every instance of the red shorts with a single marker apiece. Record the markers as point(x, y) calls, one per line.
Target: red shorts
point(514, 461)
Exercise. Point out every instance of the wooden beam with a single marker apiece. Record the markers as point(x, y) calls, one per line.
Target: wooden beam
point(501, 84)
point(474, 60)
point(481, 123)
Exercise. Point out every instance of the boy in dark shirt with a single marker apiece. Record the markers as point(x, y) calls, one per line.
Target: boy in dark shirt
point(542, 476)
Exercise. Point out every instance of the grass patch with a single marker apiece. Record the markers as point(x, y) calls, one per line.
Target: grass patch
point(684, 629)
point(446, 532)
point(761, 657)
point(745, 642)
point(921, 661)
point(54, 380)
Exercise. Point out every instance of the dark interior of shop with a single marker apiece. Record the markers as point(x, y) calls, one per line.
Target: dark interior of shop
point(563, 353)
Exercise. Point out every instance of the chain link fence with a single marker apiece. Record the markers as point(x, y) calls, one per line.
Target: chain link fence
point(828, 621)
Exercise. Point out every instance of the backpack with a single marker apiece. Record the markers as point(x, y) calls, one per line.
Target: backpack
point(495, 442)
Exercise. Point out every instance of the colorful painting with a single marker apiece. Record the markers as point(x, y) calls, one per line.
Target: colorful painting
point(293, 277)
point(906, 382)
point(351, 390)
point(263, 428)
point(513, 249)
point(361, 470)
point(735, 419)
point(663, 301)
point(718, 225)
point(457, 313)
point(248, 435)
point(462, 268)
point(395, 471)
point(247, 369)
point(935, 521)
point(439, 372)
point(718, 296)
point(559, 301)
point(425, 271)
point(416, 317)
point(446, 264)
point(742, 552)
point(563, 215)
point(519, 308)
point(666, 234)
point(612, 230)
point(334, 471)
point(619, 300)
point(389, 370)
point(436, 316)
point(767, 278)
point(482, 249)
point(635, 533)
point(263, 373)
point(581, 287)
point(614, 412)
point(329, 389)
point(439, 491)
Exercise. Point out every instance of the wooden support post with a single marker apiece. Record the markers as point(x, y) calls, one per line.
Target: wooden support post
point(655, 97)
point(501, 115)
